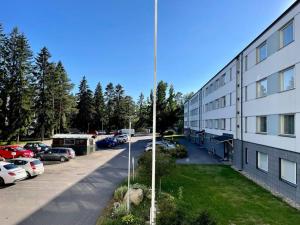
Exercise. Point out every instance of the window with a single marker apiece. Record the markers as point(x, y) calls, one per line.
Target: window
point(287, 124)
point(222, 80)
point(261, 124)
point(222, 102)
point(261, 52)
point(230, 99)
point(246, 93)
point(216, 84)
point(288, 171)
point(287, 34)
point(216, 125)
point(246, 155)
point(287, 79)
point(261, 88)
point(69, 142)
point(262, 161)
point(222, 124)
point(206, 91)
point(230, 124)
point(246, 62)
point(246, 126)
point(230, 74)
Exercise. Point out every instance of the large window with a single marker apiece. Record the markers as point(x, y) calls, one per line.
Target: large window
point(287, 79)
point(261, 88)
point(262, 161)
point(261, 52)
point(222, 103)
point(222, 124)
point(222, 80)
point(287, 34)
point(216, 125)
point(288, 171)
point(287, 124)
point(261, 124)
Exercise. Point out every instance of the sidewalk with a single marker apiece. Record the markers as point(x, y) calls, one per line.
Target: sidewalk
point(196, 154)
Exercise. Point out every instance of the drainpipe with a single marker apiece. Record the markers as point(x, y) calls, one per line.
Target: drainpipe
point(241, 100)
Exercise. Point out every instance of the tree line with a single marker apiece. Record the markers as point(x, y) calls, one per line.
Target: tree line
point(37, 100)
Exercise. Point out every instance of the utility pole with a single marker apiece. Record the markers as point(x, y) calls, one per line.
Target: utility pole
point(153, 209)
point(129, 162)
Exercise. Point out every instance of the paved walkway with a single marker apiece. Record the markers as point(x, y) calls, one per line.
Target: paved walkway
point(196, 154)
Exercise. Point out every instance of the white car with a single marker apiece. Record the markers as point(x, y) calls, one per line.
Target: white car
point(33, 167)
point(10, 173)
point(166, 145)
point(122, 138)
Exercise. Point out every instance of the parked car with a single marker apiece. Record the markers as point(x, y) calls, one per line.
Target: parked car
point(127, 131)
point(14, 151)
point(10, 173)
point(107, 142)
point(33, 167)
point(36, 147)
point(166, 145)
point(56, 154)
point(122, 138)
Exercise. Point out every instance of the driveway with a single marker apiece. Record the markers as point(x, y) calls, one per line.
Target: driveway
point(71, 193)
point(196, 154)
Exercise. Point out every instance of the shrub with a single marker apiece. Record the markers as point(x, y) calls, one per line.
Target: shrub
point(120, 193)
point(119, 211)
point(169, 214)
point(179, 152)
point(204, 219)
point(129, 219)
point(164, 165)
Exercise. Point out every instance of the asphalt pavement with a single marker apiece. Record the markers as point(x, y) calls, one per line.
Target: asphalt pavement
point(71, 193)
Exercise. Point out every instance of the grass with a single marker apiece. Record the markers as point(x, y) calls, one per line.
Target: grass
point(228, 196)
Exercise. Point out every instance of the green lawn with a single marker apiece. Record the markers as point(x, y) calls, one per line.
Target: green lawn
point(228, 196)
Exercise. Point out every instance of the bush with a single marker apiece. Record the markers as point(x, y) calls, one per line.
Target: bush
point(169, 214)
point(204, 219)
point(164, 165)
point(119, 211)
point(179, 152)
point(129, 220)
point(120, 193)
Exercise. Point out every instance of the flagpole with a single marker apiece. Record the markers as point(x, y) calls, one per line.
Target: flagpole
point(153, 210)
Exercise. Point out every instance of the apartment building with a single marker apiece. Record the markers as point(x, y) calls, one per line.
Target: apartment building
point(250, 114)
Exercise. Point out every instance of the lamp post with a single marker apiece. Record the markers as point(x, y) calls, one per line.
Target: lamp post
point(129, 162)
point(153, 210)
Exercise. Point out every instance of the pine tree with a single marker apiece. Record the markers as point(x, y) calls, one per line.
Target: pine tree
point(85, 107)
point(141, 112)
point(110, 106)
point(19, 97)
point(64, 101)
point(44, 72)
point(3, 80)
point(99, 108)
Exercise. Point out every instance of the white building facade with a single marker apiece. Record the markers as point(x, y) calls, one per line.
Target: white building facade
point(250, 114)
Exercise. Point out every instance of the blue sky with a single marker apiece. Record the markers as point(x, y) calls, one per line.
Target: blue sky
point(112, 40)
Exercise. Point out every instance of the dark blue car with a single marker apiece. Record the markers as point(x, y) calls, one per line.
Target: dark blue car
point(107, 143)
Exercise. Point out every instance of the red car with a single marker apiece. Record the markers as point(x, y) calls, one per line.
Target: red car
point(14, 151)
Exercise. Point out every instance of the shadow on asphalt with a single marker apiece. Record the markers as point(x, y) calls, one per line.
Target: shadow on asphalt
point(82, 203)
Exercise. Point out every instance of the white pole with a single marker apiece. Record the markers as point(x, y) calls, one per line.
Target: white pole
point(153, 210)
point(129, 161)
point(133, 175)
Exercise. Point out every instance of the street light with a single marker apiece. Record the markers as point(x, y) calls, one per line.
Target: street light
point(129, 161)
point(153, 210)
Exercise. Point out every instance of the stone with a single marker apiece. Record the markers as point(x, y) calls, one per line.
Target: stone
point(136, 196)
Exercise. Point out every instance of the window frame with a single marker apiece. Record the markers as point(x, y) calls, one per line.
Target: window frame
point(258, 164)
point(281, 125)
point(281, 32)
point(258, 88)
point(258, 125)
point(281, 79)
point(258, 48)
point(280, 172)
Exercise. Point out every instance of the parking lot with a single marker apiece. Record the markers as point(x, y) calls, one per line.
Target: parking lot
point(74, 192)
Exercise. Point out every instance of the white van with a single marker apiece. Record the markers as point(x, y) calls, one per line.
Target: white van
point(128, 132)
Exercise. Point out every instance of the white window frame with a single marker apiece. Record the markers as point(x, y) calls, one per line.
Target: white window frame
point(281, 33)
point(281, 78)
point(259, 163)
point(258, 125)
point(258, 59)
point(284, 175)
point(282, 125)
point(258, 89)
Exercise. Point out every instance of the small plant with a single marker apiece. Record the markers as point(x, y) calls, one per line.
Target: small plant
point(204, 219)
point(180, 193)
point(119, 211)
point(129, 219)
point(120, 193)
